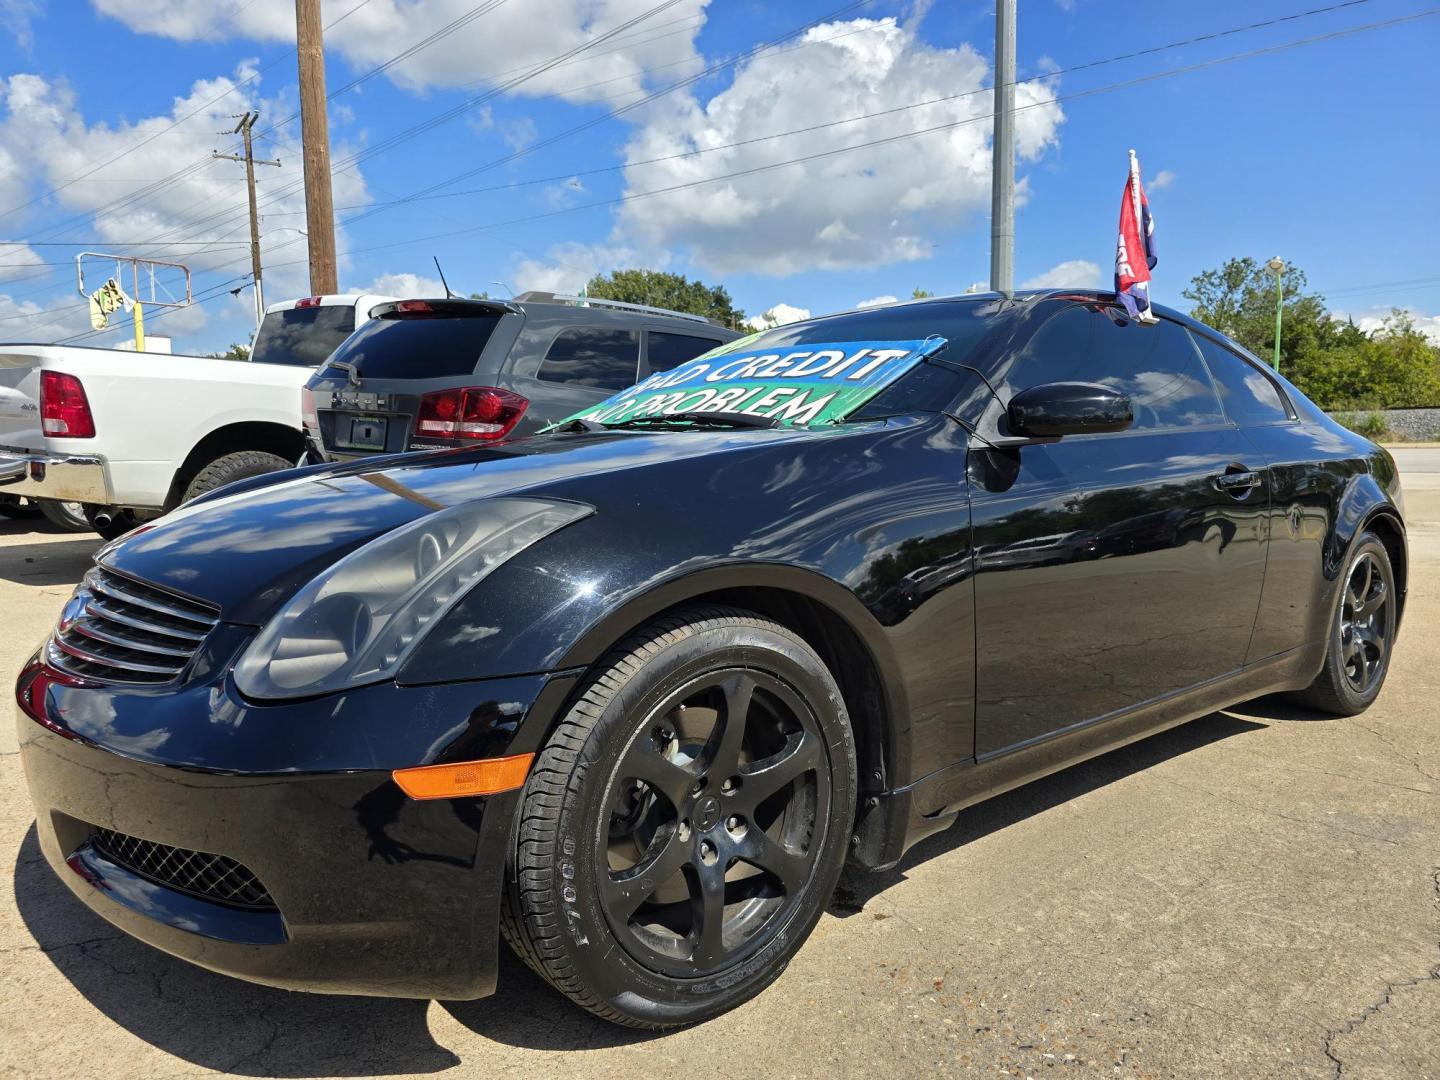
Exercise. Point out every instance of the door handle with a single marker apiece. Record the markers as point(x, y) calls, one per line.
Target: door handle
point(1238, 482)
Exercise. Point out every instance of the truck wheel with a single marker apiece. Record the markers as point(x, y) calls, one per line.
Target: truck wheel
point(68, 516)
point(683, 827)
point(227, 468)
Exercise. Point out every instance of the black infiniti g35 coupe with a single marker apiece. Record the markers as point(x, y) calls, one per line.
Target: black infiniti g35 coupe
point(630, 692)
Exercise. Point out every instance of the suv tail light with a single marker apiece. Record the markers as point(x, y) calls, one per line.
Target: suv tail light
point(471, 412)
point(64, 409)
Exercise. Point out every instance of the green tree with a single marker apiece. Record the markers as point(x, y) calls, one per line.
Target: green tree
point(234, 352)
point(1334, 362)
point(921, 294)
point(659, 288)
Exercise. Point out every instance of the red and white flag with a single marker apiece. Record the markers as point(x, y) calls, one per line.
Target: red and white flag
point(1135, 252)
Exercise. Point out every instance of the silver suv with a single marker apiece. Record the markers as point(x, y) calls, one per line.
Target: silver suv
point(431, 374)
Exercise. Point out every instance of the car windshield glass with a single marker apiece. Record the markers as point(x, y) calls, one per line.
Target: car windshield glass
point(302, 337)
point(858, 366)
point(419, 347)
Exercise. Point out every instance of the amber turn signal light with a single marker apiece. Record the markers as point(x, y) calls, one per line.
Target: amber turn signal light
point(489, 776)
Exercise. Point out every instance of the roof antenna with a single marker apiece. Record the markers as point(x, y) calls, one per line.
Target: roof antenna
point(448, 294)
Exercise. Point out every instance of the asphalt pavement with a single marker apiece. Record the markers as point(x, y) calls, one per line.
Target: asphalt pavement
point(1256, 893)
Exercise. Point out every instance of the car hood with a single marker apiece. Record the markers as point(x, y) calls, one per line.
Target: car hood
point(250, 550)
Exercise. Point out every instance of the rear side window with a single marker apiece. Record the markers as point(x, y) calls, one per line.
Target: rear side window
point(589, 356)
point(419, 347)
point(1248, 395)
point(666, 351)
point(1156, 365)
point(302, 337)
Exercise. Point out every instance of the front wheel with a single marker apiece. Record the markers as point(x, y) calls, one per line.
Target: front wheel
point(686, 822)
point(1362, 633)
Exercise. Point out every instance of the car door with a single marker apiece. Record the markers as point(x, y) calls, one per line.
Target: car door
point(1112, 569)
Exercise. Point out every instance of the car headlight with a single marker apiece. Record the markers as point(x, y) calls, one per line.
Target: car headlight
point(359, 620)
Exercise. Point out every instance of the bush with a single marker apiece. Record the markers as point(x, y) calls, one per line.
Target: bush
point(1372, 425)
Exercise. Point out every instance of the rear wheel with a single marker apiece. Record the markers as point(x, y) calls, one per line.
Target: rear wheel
point(1361, 634)
point(237, 465)
point(686, 822)
point(69, 516)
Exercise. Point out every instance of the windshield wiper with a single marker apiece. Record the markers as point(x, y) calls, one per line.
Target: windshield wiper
point(702, 419)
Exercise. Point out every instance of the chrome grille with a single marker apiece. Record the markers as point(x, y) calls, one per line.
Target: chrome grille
point(116, 629)
point(212, 877)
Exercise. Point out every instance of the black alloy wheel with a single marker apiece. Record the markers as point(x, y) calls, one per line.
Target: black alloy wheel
point(685, 823)
point(1362, 631)
point(711, 817)
point(1364, 626)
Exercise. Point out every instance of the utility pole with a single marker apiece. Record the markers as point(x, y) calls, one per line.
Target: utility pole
point(1002, 171)
point(315, 135)
point(243, 129)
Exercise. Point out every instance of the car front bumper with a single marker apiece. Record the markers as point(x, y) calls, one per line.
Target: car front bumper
point(373, 892)
point(62, 477)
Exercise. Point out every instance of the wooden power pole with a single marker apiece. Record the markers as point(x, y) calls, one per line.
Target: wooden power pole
point(315, 134)
point(243, 129)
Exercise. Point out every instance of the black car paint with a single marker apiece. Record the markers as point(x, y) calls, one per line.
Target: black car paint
point(936, 567)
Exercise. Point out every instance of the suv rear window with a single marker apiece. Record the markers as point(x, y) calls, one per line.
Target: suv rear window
point(590, 356)
point(302, 337)
point(419, 346)
point(666, 351)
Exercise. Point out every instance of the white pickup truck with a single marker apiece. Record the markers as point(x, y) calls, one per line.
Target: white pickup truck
point(130, 435)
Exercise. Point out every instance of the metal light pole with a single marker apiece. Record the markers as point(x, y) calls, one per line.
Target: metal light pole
point(1277, 267)
point(1002, 170)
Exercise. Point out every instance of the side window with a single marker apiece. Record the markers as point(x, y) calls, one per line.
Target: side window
point(1156, 365)
point(1248, 395)
point(589, 356)
point(666, 351)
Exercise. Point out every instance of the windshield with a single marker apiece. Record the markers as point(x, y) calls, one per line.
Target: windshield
point(858, 366)
point(419, 346)
point(302, 337)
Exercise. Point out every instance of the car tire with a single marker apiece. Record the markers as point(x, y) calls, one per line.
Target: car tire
point(228, 468)
point(69, 516)
point(1362, 632)
point(630, 885)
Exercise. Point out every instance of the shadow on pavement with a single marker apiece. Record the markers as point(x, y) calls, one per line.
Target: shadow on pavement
point(856, 889)
point(222, 1023)
point(47, 562)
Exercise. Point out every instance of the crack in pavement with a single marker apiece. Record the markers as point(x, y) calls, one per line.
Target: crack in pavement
point(1410, 757)
point(1391, 989)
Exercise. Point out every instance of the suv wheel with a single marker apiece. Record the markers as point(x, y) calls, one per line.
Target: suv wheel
point(686, 822)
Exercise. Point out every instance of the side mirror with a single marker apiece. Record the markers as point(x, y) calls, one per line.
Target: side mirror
point(1068, 408)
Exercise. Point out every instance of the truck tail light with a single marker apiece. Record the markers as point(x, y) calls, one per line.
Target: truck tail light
point(64, 409)
point(309, 416)
point(471, 412)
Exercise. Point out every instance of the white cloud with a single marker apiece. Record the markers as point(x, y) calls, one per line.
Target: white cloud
point(42, 125)
point(19, 261)
point(1071, 274)
point(404, 285)
point(1429, 325)
point(1160, 181)
point(565, 268)
point(876, 301)
point(16, 17)
point(778, 315)
point(488, 49)
point(860, 209)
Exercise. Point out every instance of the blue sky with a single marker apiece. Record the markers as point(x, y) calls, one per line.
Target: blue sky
point(1326, 153)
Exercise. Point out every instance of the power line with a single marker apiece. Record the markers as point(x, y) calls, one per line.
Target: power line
point(886, 140)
